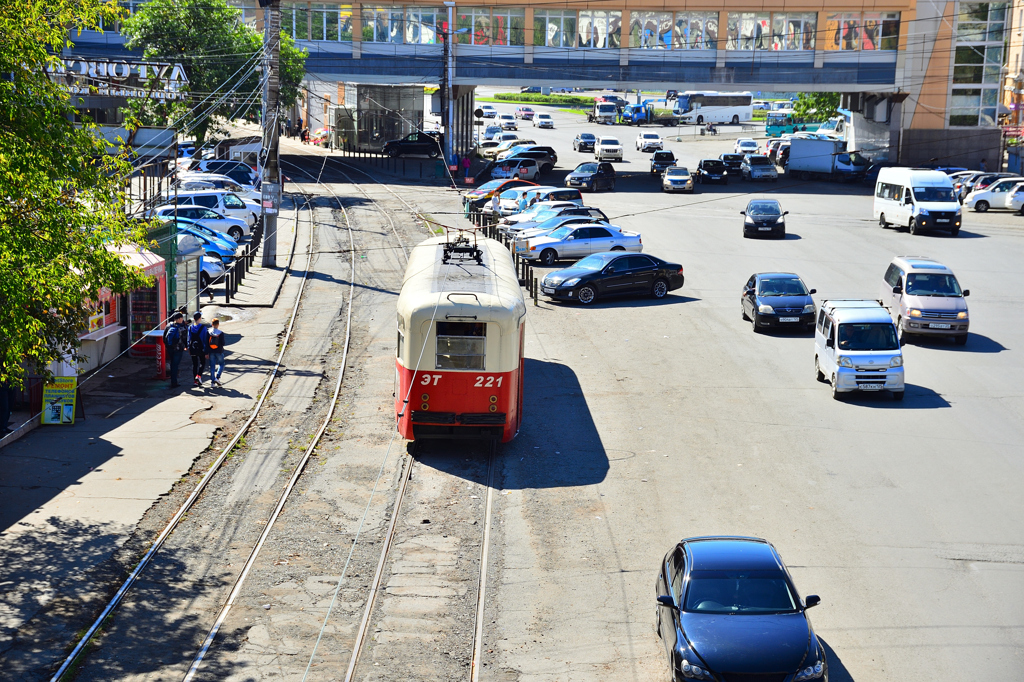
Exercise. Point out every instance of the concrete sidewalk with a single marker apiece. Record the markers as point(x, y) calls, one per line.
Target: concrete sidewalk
point(72, 495)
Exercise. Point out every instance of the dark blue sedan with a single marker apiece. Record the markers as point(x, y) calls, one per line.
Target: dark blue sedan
point(777, 300)
point(728, 611)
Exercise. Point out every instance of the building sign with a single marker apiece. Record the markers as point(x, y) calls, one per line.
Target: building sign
point(146, 80)
point(59, 401)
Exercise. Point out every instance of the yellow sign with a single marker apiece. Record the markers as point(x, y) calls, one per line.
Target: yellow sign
point(59, 401)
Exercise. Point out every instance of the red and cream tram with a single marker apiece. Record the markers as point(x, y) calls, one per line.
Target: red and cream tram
point(461, 323)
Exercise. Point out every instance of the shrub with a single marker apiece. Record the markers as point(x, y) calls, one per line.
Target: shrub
point(532, 97)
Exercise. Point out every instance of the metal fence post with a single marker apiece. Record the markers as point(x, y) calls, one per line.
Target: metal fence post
point(535, 291)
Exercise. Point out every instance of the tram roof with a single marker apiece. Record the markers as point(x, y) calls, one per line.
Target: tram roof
point(461, 288)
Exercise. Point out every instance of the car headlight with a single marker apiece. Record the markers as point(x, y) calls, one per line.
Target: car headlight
point(913, 312)
point(845, 362)
point(571, 282)
point(896, 361)
point(811, 672)
point(766, 309)
point(923, 211)
point(809, 308)
point(695, 671)
point(780, 220)
point(959, 211)
point(962, 315)
point(748, 220)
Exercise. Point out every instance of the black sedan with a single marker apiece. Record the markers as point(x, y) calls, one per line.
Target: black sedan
point(777, 300)
point(732, 163)
point(592, 175)
point(764, 217)
point(711, 170)
point(428, 143)
point(584, 142)
point(613, 274)
point(728, 609)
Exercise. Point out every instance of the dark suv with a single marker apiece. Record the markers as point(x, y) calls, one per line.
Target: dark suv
point(584, 142)
point(592, 175)
point(429, 144)
point(711, 170)
point(662, 160)
point(732, 163)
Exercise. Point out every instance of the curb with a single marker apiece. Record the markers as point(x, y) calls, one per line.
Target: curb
point(32, 424)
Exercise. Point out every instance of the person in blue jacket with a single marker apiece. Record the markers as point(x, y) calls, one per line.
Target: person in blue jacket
point(198, 338)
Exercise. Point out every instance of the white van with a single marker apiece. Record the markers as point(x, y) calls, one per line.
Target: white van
point(916, 198)
point(856, 348)
point(225, 203)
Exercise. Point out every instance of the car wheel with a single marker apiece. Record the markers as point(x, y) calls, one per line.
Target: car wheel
point(913, 226)
point(735, 119)
point(618, 248)
point(700, 120)
point(548, 257)
point(954, 232)
point(433, 153)
point(546, 168)
point(255, 220)
point(236, 233)
point(586, 294)
point(981, 206)
point(836, 395)
point(204, 280)
point(818, 374)
point(753, 323)
point(393, 153)
point(960, 340)
point(901, 335)
point(881, 221)
point(659, 289)
point(611, 187)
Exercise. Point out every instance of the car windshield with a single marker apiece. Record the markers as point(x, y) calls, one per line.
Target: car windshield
point(739, 592)
point(593, 263)
point(587, 136)
point(586, 168)
point(550, 222)
point(543, 115)
point(609, 141)
point(759, 161)
point(748, 143)
point(732, 157)
point(933, 194)
point(561, 233)
point(488, 186)
point(511, 194)
point(781, 286)
point(664, 156)
point(928, 284)
point(764, 208)
point(868, 336)
point(713, 165)
point(674, 172)
point(651, 136)
point(509, 116)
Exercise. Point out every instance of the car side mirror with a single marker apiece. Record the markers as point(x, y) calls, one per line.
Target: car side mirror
point(967, 292)
point(743, 213)
point(812, 291)
point(609, 270)
point(830, 342)
point(896, 290)
point(569, 238)
point(666, 600)
point(785, 213)
point(811, 600)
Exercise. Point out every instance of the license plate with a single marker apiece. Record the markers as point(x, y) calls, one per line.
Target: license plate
point(937, 325)
point(764, 229)
point(574, 182)
point(789, 319)
point(547, 290)
point(871, 387)
point(942, 220)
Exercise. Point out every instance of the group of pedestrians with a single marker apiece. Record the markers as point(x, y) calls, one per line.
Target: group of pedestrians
point(202, 342)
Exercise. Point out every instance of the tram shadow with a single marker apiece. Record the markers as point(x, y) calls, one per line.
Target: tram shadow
point(558, 445)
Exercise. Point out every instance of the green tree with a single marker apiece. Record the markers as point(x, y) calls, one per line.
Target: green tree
point(217, 51)
point(62, 199)
point(820, 106)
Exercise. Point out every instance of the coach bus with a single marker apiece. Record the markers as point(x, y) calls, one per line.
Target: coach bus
point(715, 107)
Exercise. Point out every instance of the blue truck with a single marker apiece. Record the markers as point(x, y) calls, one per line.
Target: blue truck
point(650, 112)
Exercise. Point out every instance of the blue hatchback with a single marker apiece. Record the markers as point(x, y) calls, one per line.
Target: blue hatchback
point(777, 300)
point(728, 610)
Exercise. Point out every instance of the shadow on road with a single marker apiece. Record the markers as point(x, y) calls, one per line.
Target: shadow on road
point(837, 672)
point(916, 398)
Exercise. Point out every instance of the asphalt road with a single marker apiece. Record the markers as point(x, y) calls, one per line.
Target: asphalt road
point(649, 422)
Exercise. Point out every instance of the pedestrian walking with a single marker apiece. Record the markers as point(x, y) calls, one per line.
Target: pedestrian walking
point(981, 166)
point(197, 342)
point(174, 342)
point(215, 343)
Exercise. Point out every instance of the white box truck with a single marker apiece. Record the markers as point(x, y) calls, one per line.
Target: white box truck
point(604, 112)
point(824, 160)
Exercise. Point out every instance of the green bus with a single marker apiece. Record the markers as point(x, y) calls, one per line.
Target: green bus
point(785, 121)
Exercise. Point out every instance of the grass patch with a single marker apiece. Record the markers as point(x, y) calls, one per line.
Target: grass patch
point(578, 112)
point(536, 98)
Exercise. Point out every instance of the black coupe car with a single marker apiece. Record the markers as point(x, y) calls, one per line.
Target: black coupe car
point(764, 217)
point(777, 300)
point(728, 610)
point(614, 273)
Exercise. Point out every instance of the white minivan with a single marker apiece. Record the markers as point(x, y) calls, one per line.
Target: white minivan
point(856, 348)
point(916, 198)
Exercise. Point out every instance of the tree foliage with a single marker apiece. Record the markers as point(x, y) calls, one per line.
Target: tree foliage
point(61, 198)
point(820, 105)
point(217, 51)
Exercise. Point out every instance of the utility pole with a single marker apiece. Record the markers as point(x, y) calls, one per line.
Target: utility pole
point(449, 67)
point(271, 171)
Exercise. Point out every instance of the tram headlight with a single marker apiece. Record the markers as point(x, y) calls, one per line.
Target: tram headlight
point(571, 282)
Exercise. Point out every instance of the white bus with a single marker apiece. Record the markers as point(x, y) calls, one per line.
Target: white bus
point(715, 107)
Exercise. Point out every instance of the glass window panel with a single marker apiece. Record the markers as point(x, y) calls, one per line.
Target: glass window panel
point(651, 30)
point(988, 117)
point(507, 26)
point(780, 24)
point(890, 31)
point(396, 29)
point(421, 26)
point(482, 27)
point(967, 74)
point(973, 11)
point(851, 32)
point(966, 99)
point(995, 32)
point(992, 74)
point(754, 30)
point(870, 31)
point(733, 32)
point(963, 119)
point(997, 11)
point(970, 33)
point(989, 97)
point(994, 55)
point(970, 55)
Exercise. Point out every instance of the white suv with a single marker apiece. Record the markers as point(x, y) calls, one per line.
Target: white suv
point(607, 148)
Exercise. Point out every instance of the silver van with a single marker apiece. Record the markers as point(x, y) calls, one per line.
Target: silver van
point(225, 203)
point(924, 297)
point(856, 348)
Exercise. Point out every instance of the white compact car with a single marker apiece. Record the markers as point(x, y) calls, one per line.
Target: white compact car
point(488, 111)
point(607, 148)
point(543, 121)
point(745, 145)
point(578, 241)
point(507, 122)
point(649, 142)
point(520, 169)
point(993, 196)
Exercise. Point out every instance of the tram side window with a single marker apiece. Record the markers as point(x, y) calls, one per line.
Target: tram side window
point(401, 343)
point(461, 345)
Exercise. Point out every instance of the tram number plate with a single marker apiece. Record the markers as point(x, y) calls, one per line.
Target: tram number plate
point(487, 382)
point(547, 290)
point(871, 387)
point(938, 325)
point(789, 319)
